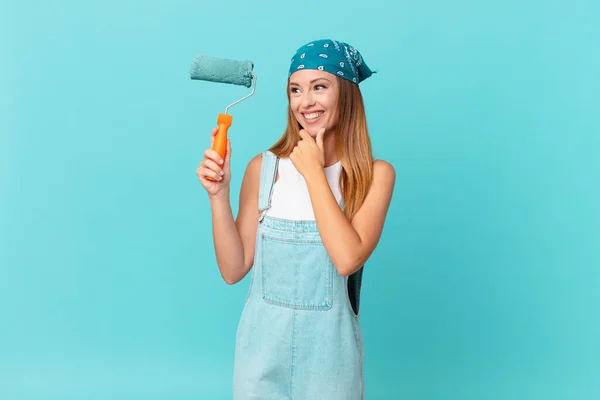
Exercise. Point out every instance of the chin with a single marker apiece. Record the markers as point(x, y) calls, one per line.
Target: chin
point(313, 131)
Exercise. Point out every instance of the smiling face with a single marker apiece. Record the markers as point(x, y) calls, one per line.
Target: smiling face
point(314, 100)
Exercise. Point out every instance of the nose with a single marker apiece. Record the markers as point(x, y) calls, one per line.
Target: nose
point(307, 99)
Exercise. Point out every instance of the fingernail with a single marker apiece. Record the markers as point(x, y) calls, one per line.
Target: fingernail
point(222, 172)
point(220, 161)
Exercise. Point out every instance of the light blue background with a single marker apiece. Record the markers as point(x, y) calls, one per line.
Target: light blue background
point(486, 281)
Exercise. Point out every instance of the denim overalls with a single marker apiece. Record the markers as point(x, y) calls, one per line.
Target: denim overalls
point(298, 337)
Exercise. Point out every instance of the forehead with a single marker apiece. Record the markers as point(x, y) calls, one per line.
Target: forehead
point(305, 76)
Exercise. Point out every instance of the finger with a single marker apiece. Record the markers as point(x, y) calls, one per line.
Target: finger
point(304, 134)
point(200, 175)
point(208, 173)
point(320, 138)
point(213, 155)
point(213, 166)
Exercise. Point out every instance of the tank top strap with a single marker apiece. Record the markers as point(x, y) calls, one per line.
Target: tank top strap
point(268, 174)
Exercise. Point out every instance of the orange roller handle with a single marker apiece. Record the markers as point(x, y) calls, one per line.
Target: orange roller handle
point(220, 144)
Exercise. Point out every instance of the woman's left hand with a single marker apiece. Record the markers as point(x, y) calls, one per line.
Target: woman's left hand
point(308, 156)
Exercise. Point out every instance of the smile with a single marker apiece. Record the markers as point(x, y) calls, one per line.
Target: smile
point(313, 116)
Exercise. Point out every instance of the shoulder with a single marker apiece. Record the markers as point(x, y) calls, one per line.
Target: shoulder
point(256, 161)
point(254, 166)
point(251, 178)
point(384, 172)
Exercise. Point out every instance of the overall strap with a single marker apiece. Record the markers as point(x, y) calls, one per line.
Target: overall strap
point(268, 174)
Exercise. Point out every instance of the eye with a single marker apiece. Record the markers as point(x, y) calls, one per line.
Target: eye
point(320, 86)
point(294, 90)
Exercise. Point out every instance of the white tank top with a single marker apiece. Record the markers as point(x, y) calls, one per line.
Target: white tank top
point(290, 198)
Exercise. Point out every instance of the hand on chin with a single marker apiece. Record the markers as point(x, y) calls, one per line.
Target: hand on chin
point(312, 130)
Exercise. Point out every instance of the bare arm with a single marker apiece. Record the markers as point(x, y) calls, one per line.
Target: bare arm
point(351, 243)
point(234, 241)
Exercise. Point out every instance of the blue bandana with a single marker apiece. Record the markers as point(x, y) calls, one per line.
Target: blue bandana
point(331, 56)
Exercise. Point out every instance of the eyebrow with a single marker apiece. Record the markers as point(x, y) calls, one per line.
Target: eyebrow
point(311, 82)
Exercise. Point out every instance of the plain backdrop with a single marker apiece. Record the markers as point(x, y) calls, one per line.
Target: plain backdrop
point(485, 284)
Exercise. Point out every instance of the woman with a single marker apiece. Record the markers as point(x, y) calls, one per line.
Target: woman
point(311, 212)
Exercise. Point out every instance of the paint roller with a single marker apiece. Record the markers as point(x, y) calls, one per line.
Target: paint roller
point(212, 69)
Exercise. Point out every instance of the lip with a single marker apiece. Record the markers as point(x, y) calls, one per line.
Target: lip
point(314, 120)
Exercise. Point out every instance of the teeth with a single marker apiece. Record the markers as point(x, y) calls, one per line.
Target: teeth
point(313, 115)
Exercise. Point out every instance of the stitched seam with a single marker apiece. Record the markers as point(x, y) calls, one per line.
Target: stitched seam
point(324, 305)
point(292, 241)
point(293, 355)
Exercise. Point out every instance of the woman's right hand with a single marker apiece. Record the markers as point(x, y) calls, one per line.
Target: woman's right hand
point(212, 166)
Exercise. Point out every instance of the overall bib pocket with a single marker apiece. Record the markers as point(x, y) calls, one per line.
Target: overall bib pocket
point(296, 273)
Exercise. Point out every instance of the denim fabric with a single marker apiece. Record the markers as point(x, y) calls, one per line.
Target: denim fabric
point(298, 337)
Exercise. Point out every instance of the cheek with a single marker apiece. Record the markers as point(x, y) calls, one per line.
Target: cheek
point(331, 102)
point(294, 104)
point(332, 108)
